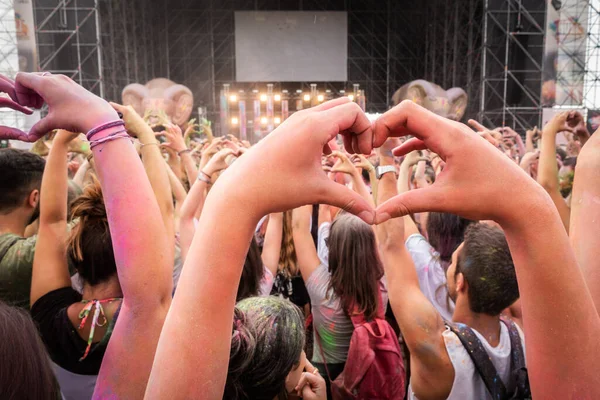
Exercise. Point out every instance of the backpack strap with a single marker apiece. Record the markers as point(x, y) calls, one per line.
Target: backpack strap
point(518, 370)
point(481, 360)
point(318, 337)
point(11, 243)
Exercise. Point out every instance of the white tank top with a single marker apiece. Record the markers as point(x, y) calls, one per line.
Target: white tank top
point(468, 385)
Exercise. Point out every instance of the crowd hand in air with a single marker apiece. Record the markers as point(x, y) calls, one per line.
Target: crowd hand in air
point(528, 159)
point(360, 161)
point(174, 138)
point(492, 136)
point(343, 163)
point(219, 161)
point(134, 123)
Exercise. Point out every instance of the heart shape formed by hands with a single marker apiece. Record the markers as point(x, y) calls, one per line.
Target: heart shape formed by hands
point(478, 182)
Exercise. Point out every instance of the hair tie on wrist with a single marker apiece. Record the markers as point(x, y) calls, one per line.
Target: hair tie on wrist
point(113, 136)
point(179, 153)
point(148, 144)
point(102, 127)
point(203, 176)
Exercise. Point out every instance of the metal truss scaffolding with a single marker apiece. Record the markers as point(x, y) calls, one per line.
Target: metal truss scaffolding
point(513, 48)
point(68, 40)
point(192, 42)
point(453, 47)
point(9, 58)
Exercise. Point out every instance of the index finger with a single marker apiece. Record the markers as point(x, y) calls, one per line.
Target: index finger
point(476, 125)
point(350, 120)
point(410, 118)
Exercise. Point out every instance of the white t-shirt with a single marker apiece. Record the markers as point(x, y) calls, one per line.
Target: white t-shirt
point(468, 384)
point(432, 278)
point(322, 249)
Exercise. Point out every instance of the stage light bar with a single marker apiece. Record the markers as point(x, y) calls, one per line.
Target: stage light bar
point(234, 121)
point(351, 97)
point(277, 97)
point(320, 98)
point(264, 120)
point(263, 97)
point(307, 97)
point(277, 120)
point(233, 98)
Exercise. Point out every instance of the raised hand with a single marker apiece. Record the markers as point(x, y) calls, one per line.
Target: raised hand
point(474, 179)
point(564, 121)
point(343, 163)
point(8, 86)
point(174, 137)
point(360, 161)
point(219, 161)
point(134, 123)
point(65, 99)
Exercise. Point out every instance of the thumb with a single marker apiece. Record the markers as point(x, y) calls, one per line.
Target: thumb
point(413, 201)
point(117, 107)
point(340, 196)
point(42, 127)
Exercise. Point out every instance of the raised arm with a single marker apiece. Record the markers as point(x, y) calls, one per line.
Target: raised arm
point(585, 215)
point(194, 202)
point(548, 168)
point(363, 163)
point(154, 164)
point(193, 353)
point(50, 271)
point(345, 166)
point(420, 323)
point(272, 245)
point(177, 143)
point(543, 258)
point(306, 252)
point(135, 222)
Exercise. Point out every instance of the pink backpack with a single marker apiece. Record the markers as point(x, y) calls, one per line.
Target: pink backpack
point(374, 368)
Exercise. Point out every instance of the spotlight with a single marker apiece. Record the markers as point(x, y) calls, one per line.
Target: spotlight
point(277, 97)
point(277, 120)
point(307, 97)
point(233, 98)
point(234, 121)
point(263, 97)
point(320, 98)
point(264, 120)
point(351, 97)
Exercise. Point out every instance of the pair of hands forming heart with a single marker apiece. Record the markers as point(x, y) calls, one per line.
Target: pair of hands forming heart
point(284, 170)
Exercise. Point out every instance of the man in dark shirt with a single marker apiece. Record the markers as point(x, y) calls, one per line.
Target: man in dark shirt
point(20, 181)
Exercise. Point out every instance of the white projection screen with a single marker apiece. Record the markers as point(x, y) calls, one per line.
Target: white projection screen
point(294, 46)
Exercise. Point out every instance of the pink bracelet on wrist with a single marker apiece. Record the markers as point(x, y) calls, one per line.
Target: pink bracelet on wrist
point(113, 136)
point(102, 127)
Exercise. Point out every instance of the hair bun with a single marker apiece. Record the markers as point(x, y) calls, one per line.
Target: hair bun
point(90, 204)
point(243, 346)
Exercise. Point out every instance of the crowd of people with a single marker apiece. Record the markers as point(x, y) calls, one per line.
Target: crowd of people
point(412, 257)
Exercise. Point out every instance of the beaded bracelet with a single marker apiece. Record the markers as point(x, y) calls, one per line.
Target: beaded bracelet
point(102, 127)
